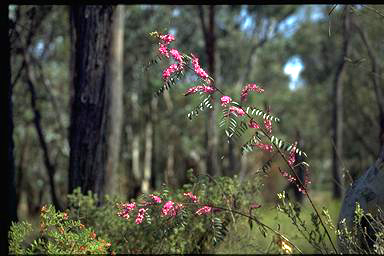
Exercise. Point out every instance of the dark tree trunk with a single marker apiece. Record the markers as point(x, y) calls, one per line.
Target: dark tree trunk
point(90, 38)
point(10, 211)
point(337, 112)
point(211, 130)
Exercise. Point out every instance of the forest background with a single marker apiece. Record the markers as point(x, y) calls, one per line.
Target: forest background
point(331, 104)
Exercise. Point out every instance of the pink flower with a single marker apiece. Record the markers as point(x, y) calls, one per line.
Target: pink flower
point(140, 215)
point(236, 110)
point(204, 210)
point(225, 100)
point(253, 124)
point(126, 209)
point(198, 88)
point(290, 178)
point(171, 69)
point(168, 38)
point(250, 87)
point(292, 154)
point(169, 209)
point(163, 50)
point(176, 55)
point(191, 196)
point(156, 199)
point(265, 147)
point(198, 70)
point(268, 125)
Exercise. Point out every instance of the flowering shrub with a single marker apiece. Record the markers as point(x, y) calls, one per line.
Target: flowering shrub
point(236, 121)
point(59, 234)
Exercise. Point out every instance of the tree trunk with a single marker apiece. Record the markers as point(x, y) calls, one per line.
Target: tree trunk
point(10, 212)
point(337, 112)
point(90, 35)
point(136, 174)
point(211, 130)
point(115, 114)
point(147, 170)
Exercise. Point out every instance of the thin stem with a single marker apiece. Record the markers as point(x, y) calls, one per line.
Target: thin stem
point(261, 224)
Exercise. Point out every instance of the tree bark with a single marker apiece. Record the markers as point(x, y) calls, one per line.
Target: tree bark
point(10, 213)
point(90, 35)
point(211, 130)
point(337, 112)
point(115, 114)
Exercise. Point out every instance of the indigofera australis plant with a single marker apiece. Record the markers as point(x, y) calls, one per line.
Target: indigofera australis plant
point(237, 120)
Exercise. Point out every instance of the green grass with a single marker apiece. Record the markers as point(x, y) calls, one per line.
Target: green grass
point(241, 239)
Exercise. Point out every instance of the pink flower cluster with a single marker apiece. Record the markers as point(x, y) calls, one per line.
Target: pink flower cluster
point(292, 155)
point(200, 88)
point(204, 210)
point(126, 209)
point(156, 199)
point(167, 39)
point(293, 180)
point(198, 70)
point(163, 50)
point(290, 178)
point(173, 68)
point(171, 209)
point(265, 147)
point(250, 87)
point(224, 100)
point(176, 55)
point(268, 125)
point(236, 110)
point(191, 196)
point(253, 124)
point(140, 215)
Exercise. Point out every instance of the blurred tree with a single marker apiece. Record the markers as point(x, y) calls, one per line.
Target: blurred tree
point(10, 212)
point(211, 136)
point(337, 112)
point(115, 115)
point(90, 35)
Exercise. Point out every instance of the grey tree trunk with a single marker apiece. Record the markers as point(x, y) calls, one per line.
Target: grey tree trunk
point(147, 171)
point(135, 135)
point(115, 114)
point(337, 112)
point(90, 40)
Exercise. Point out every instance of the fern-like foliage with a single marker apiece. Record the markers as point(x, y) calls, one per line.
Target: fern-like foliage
point(258, 112)
point(247, 147)
point(231, 125)
point(169, 83)
point(203, 105)
point(152, 62)
point(266, 166)
point(286, 146)
point(219, 230)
